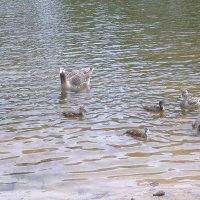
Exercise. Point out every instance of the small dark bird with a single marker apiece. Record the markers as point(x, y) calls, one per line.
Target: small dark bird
point(138, 133)
point(79, 113)
point(155, 108)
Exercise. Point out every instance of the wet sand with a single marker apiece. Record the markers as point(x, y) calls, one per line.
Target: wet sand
point(134, 194)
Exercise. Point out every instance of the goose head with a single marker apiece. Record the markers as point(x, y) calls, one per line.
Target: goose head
point(146, 131)
point(62, 70)
point(82, 110)
point(184, 94)
point(196, 124)
point(62, 77)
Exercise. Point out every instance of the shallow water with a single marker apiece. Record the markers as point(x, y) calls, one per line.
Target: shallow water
point(142, 52)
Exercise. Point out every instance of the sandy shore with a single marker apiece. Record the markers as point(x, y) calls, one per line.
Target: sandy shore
point(135, 194)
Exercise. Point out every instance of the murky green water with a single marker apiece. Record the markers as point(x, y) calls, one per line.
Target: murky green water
point(142, 51)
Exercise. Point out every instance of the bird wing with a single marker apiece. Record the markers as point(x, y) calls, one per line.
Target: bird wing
point(72, 73)
point(69, 113)
point(86, 71)
point(151, 108)
point(134, 132)
point(193, 101)
point(80, 79)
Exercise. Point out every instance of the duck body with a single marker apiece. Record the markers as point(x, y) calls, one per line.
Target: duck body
point(76, 79)
point(155, 108)
point(72, 114)
point(189, 102)
point(138, 133)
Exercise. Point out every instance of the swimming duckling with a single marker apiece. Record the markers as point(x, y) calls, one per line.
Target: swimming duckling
point(79, 113)
point(196, 124)
point(76, 79)
point(155, 108)
point(189, 102)
point(138, 133)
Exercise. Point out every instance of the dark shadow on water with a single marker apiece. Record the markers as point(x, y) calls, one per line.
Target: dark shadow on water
point(62, 97)
point(64, 93)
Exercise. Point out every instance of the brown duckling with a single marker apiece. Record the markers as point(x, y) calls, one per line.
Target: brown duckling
point(138, 133)
point(79, 113)
point(155, 108)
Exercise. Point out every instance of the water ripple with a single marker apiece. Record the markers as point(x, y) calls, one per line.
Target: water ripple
point(141, 54)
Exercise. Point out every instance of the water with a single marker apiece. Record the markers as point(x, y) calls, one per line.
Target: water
point(142, 52)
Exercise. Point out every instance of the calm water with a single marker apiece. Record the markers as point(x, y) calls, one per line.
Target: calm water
point(142, 51)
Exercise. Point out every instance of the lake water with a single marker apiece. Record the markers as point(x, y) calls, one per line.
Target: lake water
point(142, 52)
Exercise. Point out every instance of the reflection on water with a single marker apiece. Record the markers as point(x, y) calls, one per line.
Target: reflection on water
point(142, 52)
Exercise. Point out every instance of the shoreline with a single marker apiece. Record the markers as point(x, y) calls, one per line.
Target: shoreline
point(134, 194)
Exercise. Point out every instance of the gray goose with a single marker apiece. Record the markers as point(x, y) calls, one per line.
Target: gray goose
point(76, 79)
point(189, 102)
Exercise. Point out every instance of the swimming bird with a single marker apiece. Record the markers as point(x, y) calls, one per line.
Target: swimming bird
point(70, 113)
point(155, 108)
point(196, 124)
point(138, 133)
point(76, 79)
point(189, 102)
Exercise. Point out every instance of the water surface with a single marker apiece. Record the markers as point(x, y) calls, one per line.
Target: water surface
point(142, 52)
